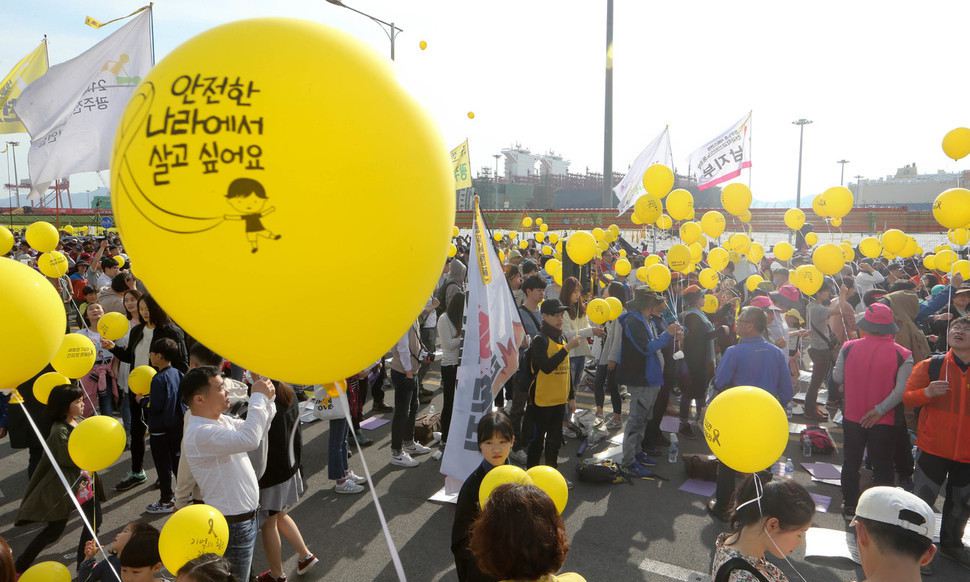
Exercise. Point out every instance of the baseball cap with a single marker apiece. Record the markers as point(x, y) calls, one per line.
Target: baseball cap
point(552, 307)
point(764, 302)
point(894, 506)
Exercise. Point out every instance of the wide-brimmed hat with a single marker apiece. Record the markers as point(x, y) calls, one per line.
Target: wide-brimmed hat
point(798, 316)
point(878, 320)
point(961, 291)
point(644, 298)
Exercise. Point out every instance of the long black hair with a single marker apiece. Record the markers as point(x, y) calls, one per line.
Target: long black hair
point(156, 315)
point(455, 310)
point(786, 501)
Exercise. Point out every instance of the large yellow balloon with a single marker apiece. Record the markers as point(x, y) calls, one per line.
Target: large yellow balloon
point(711, 304)
point(33, 322)
point(658, 179)
point(544, 227)
point(539, 236)
point(599, 234)
point(500, 476)
point(547, 251)
point(680, 204)
point(894, 240)
point(46, 382)
point(736, 198)
point(740, 243)
point(46, 572)
point(6, 240)
point(838, 201)
point(752, 282)
point(952, 208)
point(944, 260)
point(783, 251)
point(696, 252)
point(708, 278)
point(651, 260)
point(622, 267)
point(836, 222)
point(956, 143)
point(598, 311)
point(959, 236)
point(910, 248)
point(870, 247)
point(581, 247)
point(718, 258)
point(848, 253)
point(643, 274)
point(75, 357)
point(523, 244)
point(929, 261)
point(553, 266)
point(828, 258)
point(245, 208)
point(819, 206)
point(713, 223)
point(553, 238)
point(190, 532)
point(808, 279)
point(811, 239)
point(96, 443)
point(658, 277)
point(616, 307)
point(678, 258)
point(794, 218)
point(961, 267)
point(647, 209)
point(756, 252)
point(745, 216)
point(552, 482)
point(746, 428)
point(664, 222)
point(42, 236)
point(690, 232)
point(53, 264)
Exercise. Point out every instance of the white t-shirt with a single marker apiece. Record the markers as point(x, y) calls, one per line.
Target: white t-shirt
point(141, 350)
point(95, 337)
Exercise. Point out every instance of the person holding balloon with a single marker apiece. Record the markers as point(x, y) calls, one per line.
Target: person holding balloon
point(99, 384)
point(822, 346)
point(133, 554)
point(163, 412)
point(45, 500)
point(606, 367)
point(121, 369)
point(698, 355)
point(576, 324)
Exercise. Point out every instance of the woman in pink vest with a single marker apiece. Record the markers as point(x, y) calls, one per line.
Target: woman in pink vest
point(873, 370)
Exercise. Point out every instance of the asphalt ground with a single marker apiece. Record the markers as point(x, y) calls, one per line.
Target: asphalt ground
point(647, 530)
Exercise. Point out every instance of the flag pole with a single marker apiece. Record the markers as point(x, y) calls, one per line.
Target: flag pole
point(751, 149)
point(151, 29)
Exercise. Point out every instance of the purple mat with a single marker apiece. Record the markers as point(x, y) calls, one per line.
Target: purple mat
point(374, 423)
point(821, 502)
point(669, 424)
point(698, 487)
point(823, 470)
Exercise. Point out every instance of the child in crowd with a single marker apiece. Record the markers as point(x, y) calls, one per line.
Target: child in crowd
point(206, 568)
point(164, 413)
point(139, 563)
point(495, 439)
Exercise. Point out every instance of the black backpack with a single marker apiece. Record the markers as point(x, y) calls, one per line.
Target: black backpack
point(936, 366)
point(724, 572)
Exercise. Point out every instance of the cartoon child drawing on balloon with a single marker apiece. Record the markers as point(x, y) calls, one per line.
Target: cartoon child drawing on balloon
point(248, 197)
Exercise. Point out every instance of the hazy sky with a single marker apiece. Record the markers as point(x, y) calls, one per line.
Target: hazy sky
point(882, 81)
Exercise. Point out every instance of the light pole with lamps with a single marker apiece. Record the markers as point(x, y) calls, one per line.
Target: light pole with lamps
point(842, 177)
point(608, 113)
point(391, 31)
point(801, 123)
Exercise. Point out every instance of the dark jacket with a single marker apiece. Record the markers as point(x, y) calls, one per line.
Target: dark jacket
point(163, 406)
point(93, 571)
point(171, 331)
point(639, 363)
point(466, 511)
point(284, 445)
point(21, 435)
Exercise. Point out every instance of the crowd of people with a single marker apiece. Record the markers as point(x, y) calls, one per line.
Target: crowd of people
point(887, 342)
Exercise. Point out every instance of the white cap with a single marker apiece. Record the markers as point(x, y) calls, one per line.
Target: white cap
point(897, 507)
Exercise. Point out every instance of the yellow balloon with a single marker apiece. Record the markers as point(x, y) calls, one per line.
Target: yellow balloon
point(828, 258)
point(527, 222)
point(471, 115)
point(711, 304)
point(658, 277)
point(643, 274)
point(910, 248)
point(75, 357)
point(959, 236)
point(680, 204)
point(756, 252)
point(647, 209)
point(33, 322)
point(690, 232)
point(944, 260)
point(745, 217)
point(651, 260)
point(616, 307)
point(501, 256)
point(248, 207)
point(952, 208)
point(523, 244)
point(140, 379)
point(68, 229)
point(559, 247)
point(870, 247)
point(713, 223)
point(546, 250)
point(452, 250)
point(539, 236)
point(52, 264)
point(553, 238)
point(956, 143)
point(635, 218)
point(929, 261)
point(46, 572)
point(696, 252)
point(962, 267)
point(113, 326)
point(614, 228)
point(423, 45)
point(838, 201)
point(819, 206)
point(42, 236)
point(736, 198)
point(581, 247)
point(599, 234)
point(794, 218)
point(811, 239)
point(120, 260)
point(664, 222)
point(500, 476)
point(6, 240)
point(746, 428)
point(46, 382)
point(190, 532)
point(718, 258)
point(678, 258)
point(622, 253)
point(497, 236)
point(96, 443)
point(836, 222)
point(752, 282)
point(808, 279)
point(552, 482)
point(544, 227)
point(708, 278)
point(658, 179)
point(622, 267)
point(783, 251)
point(848, 253)
point(454, 231)
point(598, 311)
point(740, 243)
point(894, 240)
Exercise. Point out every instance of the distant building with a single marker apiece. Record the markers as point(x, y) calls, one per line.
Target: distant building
point(907, 187)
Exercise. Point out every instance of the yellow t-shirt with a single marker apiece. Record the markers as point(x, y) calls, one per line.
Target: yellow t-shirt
point(553, 389)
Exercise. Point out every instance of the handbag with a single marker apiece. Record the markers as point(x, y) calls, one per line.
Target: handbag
point(84, 491)
point(326, 407)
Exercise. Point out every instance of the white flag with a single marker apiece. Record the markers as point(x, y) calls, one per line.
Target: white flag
point(489, 357)
point(723, 158)
point(72, 112)
point(631, 186)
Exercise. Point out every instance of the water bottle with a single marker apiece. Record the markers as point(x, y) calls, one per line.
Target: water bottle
point(673, 451)
point(778, 469)
point(789, 468)
point(806, 446)
point(788, 409)
point(431, 409)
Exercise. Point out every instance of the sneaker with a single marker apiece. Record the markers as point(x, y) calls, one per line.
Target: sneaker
point(644, 460)
point(638, 470)
point(351, 476)
point(131, 481)
point(598, 421)
point(161, 507)
point(414, 449)
point(403, 459)
point(959, 554)
point(614, 423)
point(304, 565)
point(380, 408)
point(686, 429)
point(349, 487)
point(363, 440)
point(570, 485)
point(267, 576)
point(518, 457)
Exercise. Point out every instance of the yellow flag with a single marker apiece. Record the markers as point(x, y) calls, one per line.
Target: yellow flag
point(92, 22)
point(461, 164)
point(29, 69)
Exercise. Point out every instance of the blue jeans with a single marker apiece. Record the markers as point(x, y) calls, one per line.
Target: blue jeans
point(337, 463)
point(642, 399)
point(241, 546)
point(577, 365)
point(405, 410)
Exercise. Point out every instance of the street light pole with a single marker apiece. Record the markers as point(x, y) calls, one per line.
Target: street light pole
point(495, 177)
point(842, 177)
point(391, 31)
point(858, 189)
point(801, 123)
point(608, 117)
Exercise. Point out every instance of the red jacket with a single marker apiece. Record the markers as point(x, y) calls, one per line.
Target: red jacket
point(944, 422)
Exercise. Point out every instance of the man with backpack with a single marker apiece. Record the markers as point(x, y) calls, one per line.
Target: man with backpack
point(939, 385)
point(534, 290)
